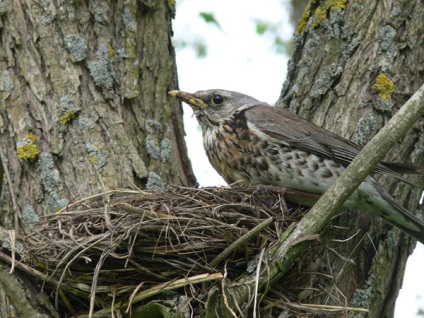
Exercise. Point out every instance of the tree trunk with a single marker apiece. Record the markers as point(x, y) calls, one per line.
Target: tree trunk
point(84, 104)
point(354, 64)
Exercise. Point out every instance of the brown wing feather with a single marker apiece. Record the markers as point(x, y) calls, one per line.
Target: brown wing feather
point(301, 134)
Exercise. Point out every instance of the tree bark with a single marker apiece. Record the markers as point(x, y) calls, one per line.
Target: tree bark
point(83, 103)
point(84, 106)
point(354, 64)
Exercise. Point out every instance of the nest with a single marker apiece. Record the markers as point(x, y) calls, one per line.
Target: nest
point(124, 247)
point(126, 251)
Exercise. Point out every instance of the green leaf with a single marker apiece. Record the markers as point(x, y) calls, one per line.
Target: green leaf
point(209, 17)
point(261, 27)
point(201, 49)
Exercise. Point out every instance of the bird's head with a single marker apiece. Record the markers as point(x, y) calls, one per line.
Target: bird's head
point(213, 106)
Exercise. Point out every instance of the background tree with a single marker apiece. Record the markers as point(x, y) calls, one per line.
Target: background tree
point(92, 114)
point(354, 64)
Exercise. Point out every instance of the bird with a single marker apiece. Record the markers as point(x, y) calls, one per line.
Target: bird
point(249, 142)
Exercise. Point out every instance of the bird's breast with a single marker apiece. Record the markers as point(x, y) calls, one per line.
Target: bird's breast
point(243, 155)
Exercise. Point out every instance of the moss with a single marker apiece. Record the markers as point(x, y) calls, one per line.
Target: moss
point(172, 3)
point(321, 12)
point(68, 116)
point(303, 21)
point(111, 51)
point(337, 4)
point(31, 137)
point(27, 149)
point(383, 85)
point(320, 15)
point(28, 152)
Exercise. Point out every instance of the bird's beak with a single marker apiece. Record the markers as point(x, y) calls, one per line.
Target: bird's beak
point(188, 98)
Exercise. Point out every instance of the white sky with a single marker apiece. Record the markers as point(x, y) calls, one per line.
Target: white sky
point(238, 59)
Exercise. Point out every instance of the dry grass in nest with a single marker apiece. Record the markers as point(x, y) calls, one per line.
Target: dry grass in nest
point(127, 243)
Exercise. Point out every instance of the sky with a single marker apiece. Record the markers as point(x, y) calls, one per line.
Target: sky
point(238, 59)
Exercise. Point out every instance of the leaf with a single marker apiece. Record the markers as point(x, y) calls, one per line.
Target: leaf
point(209, 17)
point(261, 27)
point(201, 49)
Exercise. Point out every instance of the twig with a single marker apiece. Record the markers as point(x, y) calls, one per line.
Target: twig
point(244, 238)
point(15, 207)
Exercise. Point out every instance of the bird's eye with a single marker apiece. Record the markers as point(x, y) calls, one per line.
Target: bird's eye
point(217, 99)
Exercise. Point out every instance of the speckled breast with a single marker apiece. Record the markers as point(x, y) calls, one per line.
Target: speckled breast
point(240, 155)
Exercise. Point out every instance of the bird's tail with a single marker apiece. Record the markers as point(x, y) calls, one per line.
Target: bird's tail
point(402, 218)
point(403, 168)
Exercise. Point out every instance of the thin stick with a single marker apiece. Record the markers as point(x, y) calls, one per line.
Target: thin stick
point(253, 232)
point(12, 195)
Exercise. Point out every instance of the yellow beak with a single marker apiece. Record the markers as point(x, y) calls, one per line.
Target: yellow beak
point(188, 98)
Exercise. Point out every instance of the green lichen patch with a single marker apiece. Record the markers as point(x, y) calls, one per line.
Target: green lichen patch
point(97, 156)
point(155, 182)
point(165, 149)
point(85, 122)
point(101, 68)
point(3, 8)
point(68, 108)
point(77, 46)
point(152, 148)
point(155, 151)
point(6, 81)
point(27, 149)
point(387, 40)
point(51, 181)
point(384, 86)
point(29, 215)
point(365, 130)
point(153, 125)
point(362, 297)
point(68, 116)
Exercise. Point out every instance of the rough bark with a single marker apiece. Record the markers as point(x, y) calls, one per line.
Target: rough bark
point(84, 106)
point(83, 103)
point(354, 65)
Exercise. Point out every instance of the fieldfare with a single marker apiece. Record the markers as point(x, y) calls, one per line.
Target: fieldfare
point(252, 143)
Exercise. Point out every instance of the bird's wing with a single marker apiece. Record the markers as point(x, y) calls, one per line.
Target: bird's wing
point(294, 131)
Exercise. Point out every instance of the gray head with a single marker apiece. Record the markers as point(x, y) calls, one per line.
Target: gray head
point(215, 105)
